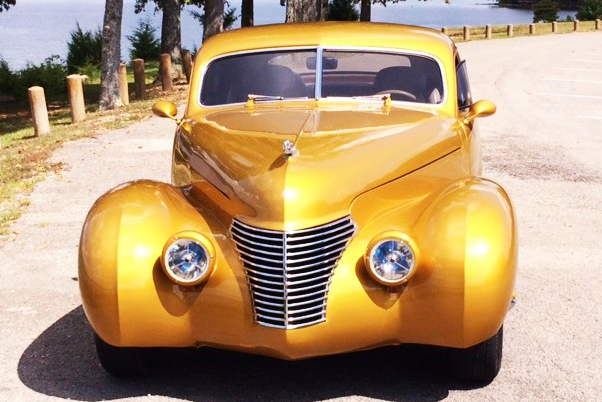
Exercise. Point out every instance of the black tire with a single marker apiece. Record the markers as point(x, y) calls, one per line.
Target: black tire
point(480, 363)
point(122, 362)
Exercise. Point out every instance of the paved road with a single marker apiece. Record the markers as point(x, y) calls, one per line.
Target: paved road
point(544, 145)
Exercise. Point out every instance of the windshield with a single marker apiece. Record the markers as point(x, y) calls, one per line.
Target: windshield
point(291, 74)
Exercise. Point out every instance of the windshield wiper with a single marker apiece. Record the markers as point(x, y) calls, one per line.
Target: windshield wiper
point(386, 98)
point(252, 98)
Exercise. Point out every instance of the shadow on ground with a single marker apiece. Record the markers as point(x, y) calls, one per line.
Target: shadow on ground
point(62, 362)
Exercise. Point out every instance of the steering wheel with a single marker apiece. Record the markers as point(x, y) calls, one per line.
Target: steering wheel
point(405, 94)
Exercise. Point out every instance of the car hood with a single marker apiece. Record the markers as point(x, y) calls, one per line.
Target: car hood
point(341, 154)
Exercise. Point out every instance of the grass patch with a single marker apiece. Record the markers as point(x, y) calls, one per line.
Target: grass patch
point(501, 31)
point(24, 158)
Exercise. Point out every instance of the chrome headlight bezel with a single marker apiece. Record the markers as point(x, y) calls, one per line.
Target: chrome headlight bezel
point(409, 257)
point(201, 245)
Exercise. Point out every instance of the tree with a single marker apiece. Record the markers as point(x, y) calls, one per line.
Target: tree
point(343, 10)
point(171, 29)
point(365, 10)
point(213, 21)
point(110, 95)
point(246, 16)
point(545, 11)
point(305, 10)
point(590, 10)
point(366, 7)
point(145, 44)
point(84, 49)
point(5, 4)
point(230, 17)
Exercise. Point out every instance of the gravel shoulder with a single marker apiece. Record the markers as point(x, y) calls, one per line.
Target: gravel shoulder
point(544, 146)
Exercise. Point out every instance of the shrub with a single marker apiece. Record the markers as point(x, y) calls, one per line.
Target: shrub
point(590, 10)
point(342, 10)
point(145, 44)
point(545, 11)
point(9, 81)
point(84, 49)
point(50, 75)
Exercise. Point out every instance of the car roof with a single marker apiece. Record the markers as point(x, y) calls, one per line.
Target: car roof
point(336, 34)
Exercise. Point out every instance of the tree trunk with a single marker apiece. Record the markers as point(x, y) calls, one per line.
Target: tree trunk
point(171, 36)
point(214, 18)
point(246, 13)
point(322, 10)
point(110, 92)
point(302, 10)
point(365, 10)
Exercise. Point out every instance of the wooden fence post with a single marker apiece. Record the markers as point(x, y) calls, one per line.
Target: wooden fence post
point(75, 89)
point(487, 31)
point(531, 29)
point(597, 24)
point(466, 32)
point(510, 30)
point(123, 84)
point(445, 30)
point(166, 79)
point(554, 27)
point(39, 112)
point(139, 79)
point(576, 25)
point(187, 62)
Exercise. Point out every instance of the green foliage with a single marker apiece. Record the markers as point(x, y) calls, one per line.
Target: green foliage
point(230, 17)
point(590, 10)
point(569, 18)
point(145, 44)
point(141, 4)
point(545, 11)
point(8, 80)
point(92, 71)
point(84, 49)
point(342, 10)
point(5, 4)
point(50, 75)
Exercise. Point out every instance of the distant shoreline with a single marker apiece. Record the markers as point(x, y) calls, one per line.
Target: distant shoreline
point(566, 5)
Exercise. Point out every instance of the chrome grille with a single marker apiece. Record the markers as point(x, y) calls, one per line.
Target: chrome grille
point(289, 273)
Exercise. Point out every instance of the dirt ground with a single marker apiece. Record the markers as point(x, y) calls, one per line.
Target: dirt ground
point(544, 146)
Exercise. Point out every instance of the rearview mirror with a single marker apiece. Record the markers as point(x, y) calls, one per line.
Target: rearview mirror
point(328, 63)
point(165, 109)
point(482, 108)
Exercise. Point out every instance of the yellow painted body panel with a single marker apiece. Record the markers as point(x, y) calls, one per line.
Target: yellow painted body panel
point(413, 170)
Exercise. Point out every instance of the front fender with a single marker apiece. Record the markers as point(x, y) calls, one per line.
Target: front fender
point(470, 234)
point(465, 234)
point(121, 244)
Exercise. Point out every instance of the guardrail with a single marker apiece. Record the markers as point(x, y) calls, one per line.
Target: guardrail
point(467, 33)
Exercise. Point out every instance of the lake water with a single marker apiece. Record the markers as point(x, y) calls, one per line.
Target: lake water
point(35, 29)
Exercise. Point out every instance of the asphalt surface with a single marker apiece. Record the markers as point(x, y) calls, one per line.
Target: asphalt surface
point(544, 146)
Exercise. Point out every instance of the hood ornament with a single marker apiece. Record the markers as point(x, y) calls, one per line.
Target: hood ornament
point(289, 149)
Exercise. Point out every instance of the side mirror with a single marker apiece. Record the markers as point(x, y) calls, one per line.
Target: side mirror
point(482, 108)
point(166, 109)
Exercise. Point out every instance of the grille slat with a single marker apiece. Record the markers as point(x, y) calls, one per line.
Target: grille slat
point(318, 249)
point(289, 273)
point(322, 241)
point(330, 254)
point(299, 275)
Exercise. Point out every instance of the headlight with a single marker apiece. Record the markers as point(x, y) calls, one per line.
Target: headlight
point(188, 258)
point(391, 261)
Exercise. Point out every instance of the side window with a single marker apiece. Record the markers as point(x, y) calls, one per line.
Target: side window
point(464, 95)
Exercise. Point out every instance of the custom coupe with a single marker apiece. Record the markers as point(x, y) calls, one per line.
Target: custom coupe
point(326, 197)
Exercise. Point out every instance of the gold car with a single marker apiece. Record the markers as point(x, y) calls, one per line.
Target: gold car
point(326, 197)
